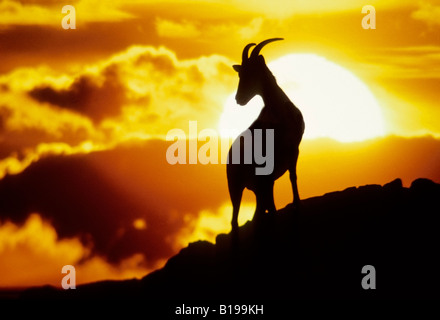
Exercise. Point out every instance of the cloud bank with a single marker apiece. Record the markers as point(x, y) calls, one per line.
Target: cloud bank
point(140, 93)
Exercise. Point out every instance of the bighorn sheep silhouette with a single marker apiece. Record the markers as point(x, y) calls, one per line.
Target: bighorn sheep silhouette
point(279, 114)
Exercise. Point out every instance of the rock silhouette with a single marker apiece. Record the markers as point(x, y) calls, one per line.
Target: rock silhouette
point(317, 252)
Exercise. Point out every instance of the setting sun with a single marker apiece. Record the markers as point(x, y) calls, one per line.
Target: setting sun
point(335, 103)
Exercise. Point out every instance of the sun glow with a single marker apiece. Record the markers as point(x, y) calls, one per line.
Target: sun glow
point(334, 102)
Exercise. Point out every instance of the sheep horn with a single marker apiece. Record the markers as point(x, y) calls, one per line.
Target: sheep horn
point(260, 46)
point(245, 55)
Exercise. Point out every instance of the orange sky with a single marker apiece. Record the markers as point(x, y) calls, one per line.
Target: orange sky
point(79, 109)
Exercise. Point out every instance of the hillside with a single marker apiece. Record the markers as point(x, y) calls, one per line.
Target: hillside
point(317, 251)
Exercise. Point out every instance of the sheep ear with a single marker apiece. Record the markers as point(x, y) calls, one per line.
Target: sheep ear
point(237, 67)
point(261, 59)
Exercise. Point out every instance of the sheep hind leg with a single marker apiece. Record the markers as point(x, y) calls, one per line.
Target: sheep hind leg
point(271, 209)
point(293, 180)
point(235, 194)
point(265, 200)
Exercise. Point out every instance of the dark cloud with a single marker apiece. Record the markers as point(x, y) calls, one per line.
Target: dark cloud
point(87, 96)
point(32, 45)
point(71, 195)
point(96, 197)
point(5, 113)
point(162, 63)
point(19, 141)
